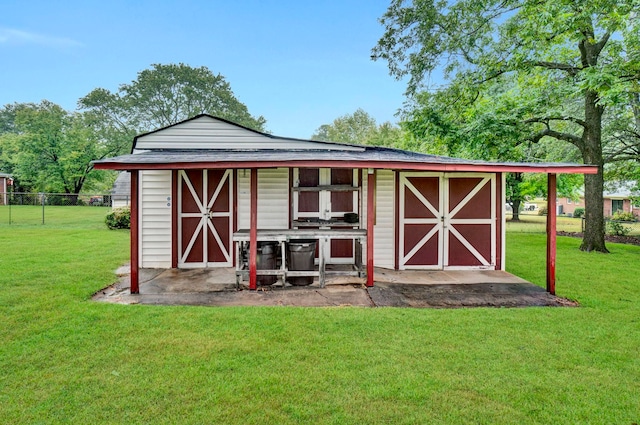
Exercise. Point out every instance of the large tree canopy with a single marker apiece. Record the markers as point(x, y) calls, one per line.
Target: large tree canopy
point(571, 60)
point(49, 149)
point(165, 95)
point(359, 128)
point(488, 128)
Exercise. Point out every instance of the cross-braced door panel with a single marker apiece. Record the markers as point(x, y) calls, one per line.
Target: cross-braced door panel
point(420, 221)
point(205, 218)
point(447, 221)
point(470, 221)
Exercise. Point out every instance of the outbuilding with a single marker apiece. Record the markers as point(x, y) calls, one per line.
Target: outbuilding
point(5, 184)
point(121, 192)
point(205, 188)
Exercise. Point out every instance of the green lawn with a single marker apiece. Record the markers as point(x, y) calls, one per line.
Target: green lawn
point(533, 223)
point(23, 215)
point(65, 359)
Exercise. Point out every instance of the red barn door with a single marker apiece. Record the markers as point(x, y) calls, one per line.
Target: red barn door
point(447, 221)
point(205, 206)
point(421, 221)
point(470, 221)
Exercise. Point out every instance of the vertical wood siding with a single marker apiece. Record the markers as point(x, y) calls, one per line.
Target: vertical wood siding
point(155, 224)
point(384, 232)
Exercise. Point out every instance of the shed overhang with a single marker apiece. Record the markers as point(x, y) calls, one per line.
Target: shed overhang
point(369, 158)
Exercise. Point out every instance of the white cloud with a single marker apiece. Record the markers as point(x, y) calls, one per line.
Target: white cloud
point(13, 36)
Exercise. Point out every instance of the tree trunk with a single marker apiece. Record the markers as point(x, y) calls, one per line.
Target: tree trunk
point(593, 239)
point(515, 204)
point(514, 180)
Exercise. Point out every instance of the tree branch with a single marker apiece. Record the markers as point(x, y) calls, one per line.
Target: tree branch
point(546, 120)
point(567, 137)
point(570, 69)
point(600, 44)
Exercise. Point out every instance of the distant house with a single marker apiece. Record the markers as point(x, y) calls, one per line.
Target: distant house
point(121, 192)
point(4, 188)
point(614, 201)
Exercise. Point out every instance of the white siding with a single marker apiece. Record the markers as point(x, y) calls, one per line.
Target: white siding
point(210, 133)
point(120, 203)
point(384, 235)
point(273, 198)
point(244, 199)
point(155, 215)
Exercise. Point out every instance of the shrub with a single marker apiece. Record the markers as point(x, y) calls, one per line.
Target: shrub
point(623, 216)
point(119, 218)
point(542, 211)
point(578, 212)
point(616, 228)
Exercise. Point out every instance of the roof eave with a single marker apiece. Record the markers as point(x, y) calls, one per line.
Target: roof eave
point(400, 165)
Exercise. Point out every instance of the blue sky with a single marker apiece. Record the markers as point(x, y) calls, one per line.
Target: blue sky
point(300, 64)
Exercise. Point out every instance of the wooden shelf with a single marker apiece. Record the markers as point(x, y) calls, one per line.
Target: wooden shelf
point(335, 188)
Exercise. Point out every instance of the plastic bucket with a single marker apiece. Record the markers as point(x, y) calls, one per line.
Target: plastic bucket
point(300, 257)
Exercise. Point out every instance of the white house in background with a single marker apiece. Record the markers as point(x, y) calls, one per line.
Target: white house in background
point(202, 188)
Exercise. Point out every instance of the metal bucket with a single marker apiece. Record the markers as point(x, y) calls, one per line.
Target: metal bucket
point(267, 260)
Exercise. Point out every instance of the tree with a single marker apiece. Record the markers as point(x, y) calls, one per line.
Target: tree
point(49, 149)
point(622, 150)
point(358, 128)
point(489, 129)
point(569, 52)
point(165, 95)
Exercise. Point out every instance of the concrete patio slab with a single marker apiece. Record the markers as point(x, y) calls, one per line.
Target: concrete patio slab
point(416, 289)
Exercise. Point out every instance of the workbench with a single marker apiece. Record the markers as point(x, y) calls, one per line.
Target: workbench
point(282, 236)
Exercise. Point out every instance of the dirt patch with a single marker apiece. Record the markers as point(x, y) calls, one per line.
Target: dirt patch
point(631, 240)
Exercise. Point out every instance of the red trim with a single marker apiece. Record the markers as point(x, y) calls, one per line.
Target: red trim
point(551, 234)
point(499, 210)
point(371, 190)
point(235, 211)
point(253, 232)
point(417, 166)
point(174, 220)
point(135, 288)
point(396, 218)
point(290, 198)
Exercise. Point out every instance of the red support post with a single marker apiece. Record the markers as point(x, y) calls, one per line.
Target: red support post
point(253, 232)
point(371, 211)
point(551, 234)
point(135, 289)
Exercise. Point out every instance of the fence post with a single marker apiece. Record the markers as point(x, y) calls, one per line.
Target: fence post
point(42, 201)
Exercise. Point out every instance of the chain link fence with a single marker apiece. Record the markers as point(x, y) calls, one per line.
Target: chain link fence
point(54, 208)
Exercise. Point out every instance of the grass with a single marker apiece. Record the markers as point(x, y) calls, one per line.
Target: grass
point(533, 223)
point(65, 359)
point(29, 215)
